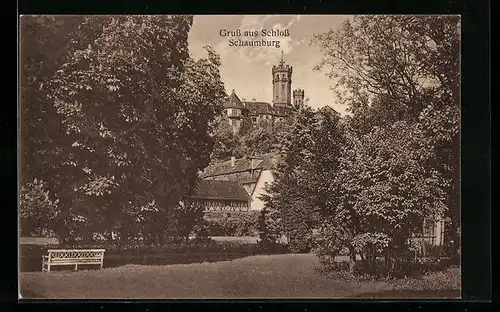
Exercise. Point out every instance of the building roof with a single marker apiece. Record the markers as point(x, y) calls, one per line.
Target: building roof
point(328, 109)
point(259, 108)
point(261, 162)
point(222, 190)
point(233, 102)
point(264, 108)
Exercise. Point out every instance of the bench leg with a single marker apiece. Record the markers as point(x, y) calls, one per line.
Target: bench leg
point(48, 267)
point(76, 267)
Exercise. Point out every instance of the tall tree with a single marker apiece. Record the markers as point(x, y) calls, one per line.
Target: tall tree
point(46, 42)
point(287, 203)
point(403, 68)
point(135, 112)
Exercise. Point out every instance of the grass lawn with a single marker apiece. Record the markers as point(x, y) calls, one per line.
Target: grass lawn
point(275, 276)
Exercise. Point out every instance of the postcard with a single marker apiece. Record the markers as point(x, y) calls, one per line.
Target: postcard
point(239, 157)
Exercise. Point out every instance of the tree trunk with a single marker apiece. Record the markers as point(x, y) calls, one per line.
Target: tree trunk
point(373, 258)
point(387, 259)
point(352, 259)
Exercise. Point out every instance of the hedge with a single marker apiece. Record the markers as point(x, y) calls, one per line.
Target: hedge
point(232, 224)
point(135, 252)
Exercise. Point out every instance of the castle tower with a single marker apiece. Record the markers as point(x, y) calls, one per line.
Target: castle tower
point(298, 98)
point(282, 84)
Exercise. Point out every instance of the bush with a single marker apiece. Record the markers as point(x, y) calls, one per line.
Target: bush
point(399, 268)
point(449, 278)
point(233, 224)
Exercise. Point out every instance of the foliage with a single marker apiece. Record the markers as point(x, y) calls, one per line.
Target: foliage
point(258, 138)
point(386, 190)
point(243, 224)
point(262, 139)
point(135, 113)
point(38, 208)
point(188, 214)
point(288, 208)
point(225, 141)
point(399, 161)
point(449, 278)
point(403, 68)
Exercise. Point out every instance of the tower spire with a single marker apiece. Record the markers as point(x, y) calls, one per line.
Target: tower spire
point(282, 61)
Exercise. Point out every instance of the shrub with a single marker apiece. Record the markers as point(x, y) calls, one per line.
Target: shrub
point(449, 278)
point(38, 208)
point(233, 224)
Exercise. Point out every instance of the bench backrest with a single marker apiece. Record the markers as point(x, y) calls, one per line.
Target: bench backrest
point(76, 253)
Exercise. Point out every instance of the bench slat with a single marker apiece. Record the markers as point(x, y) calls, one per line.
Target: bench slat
point(75, 260)
point(75, 250)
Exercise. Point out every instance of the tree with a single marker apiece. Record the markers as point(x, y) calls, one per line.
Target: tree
point(46, 43)
point(261, 140)
point(136, 113)
point(287, 203)
point(403, 68)
point(411, 60)
point(225, 142)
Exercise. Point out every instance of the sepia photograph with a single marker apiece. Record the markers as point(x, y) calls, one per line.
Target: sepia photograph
point(239, 157)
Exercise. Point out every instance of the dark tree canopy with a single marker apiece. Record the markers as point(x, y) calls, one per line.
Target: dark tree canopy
point(134, 113)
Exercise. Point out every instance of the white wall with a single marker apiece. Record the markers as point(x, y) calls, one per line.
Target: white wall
point(265, 177)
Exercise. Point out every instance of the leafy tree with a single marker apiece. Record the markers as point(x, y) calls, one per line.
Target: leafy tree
point(402, 68)
point(136, 115)
point(226, 142)
point(386, 190)
point(46, 43)
point(287, 205)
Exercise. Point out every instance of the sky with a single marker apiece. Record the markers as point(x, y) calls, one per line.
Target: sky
point(247, 70)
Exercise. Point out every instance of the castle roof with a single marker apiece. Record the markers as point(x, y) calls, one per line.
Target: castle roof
point(222, 190)
point(233, 102)
point(264, 108)
point(245, 164)
point(328, 109)
point(259, 108)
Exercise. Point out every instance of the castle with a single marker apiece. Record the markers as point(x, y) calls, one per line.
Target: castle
point(236, 110)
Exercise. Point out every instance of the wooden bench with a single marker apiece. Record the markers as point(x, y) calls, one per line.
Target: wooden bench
point(60, 257)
